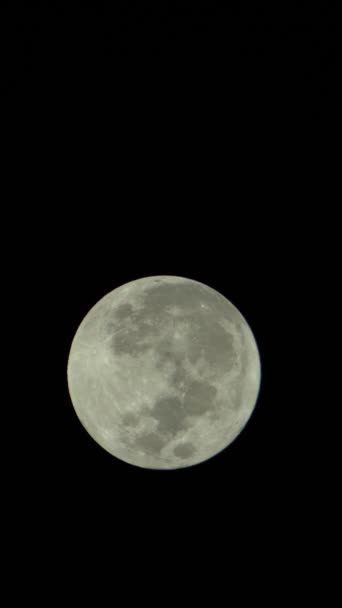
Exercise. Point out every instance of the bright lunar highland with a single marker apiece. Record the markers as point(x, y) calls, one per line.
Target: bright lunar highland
point(164, 372)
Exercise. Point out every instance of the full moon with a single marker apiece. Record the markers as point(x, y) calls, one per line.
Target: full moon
point(164, 372)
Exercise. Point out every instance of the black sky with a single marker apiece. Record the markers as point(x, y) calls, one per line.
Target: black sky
point(166, 139)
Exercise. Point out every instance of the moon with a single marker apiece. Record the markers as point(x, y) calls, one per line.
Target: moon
point(164, 372)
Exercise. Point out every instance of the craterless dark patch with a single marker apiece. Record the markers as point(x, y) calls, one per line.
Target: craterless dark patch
point(184, 450)
point(199, 398)
point(170, 413)
point(151, 443)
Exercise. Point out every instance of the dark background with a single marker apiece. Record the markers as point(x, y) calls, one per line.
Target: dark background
point(168, 138)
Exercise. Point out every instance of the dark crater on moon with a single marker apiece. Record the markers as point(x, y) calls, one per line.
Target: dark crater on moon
point(132, 337)
point(199, 398)
point(130, 419)
point(151, 443)
point(209, 339)
point(184, 450)
point(186, 296)
point(189, 296)
point(134, 331)
point(179, 376)
point(168, 352)
point(123, 311)
point(170, 414)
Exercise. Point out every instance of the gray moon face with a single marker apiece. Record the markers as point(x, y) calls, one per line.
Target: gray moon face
point(164, 372)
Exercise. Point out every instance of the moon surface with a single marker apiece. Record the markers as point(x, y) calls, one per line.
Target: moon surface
point(164, 372)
